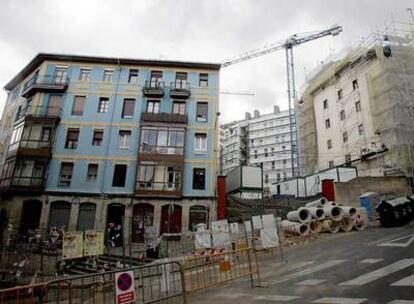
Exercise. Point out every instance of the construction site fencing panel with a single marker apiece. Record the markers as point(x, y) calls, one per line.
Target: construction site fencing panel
point(202, 272)
point(28, 294)
point(154, 283)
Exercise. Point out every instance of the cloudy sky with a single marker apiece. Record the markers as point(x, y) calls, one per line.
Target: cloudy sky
point(194, 30)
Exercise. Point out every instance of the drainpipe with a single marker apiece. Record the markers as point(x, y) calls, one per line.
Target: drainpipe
point(110, 128)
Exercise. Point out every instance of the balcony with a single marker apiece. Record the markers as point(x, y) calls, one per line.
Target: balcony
point(180, 90)
point(161, 153)
point(169, 118)
point(153, 88)
point(24, 174)
point(159, 179)
point(39, 114)
point(45, 83)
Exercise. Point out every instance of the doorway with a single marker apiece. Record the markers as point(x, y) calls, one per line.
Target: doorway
point(171, 216)
point(143, 216)
point(59, 215)
point(114, 223)
point(30, 217)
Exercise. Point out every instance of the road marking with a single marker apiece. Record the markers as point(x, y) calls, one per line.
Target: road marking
point(340, 300)
point(278, 298)
point(393, 243)
point(233, 295)
point(408, 281)
point(308, 271)
point(310, 282)
point(293, 267)
point(371, 261)
point(379, 273)
point(401, 302)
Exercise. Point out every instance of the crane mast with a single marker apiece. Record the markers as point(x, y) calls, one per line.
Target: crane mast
point(288, 45)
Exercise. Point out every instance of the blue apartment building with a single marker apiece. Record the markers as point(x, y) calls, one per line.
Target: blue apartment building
point(87, 141)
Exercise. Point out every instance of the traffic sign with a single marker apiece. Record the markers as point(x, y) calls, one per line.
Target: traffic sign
point(125, 287)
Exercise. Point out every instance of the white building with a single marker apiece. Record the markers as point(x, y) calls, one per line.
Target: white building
point(261, 140)
point(359, 111)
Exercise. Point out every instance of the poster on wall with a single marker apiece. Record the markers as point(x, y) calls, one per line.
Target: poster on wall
point(72, 245)
point(94, 243)
point(221, 235)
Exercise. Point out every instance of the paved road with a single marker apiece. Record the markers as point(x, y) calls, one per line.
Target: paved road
point(372, 266)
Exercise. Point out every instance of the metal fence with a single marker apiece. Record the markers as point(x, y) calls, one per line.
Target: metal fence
point(154, 283)
point(202, 272)
point(28, 294)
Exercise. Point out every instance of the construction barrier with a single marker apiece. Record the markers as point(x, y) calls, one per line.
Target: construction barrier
point(27, 294)
point(202, 272)
point(153, 283)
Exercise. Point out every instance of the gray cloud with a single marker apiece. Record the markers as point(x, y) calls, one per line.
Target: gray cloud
point(204, 30)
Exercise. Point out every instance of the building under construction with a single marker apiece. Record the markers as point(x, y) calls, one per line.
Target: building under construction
point(359, 110)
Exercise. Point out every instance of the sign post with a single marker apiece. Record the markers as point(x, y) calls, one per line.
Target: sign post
point(125, 287)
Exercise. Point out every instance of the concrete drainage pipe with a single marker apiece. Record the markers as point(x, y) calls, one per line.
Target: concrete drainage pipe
point(318, 203)
point(301, 215)
point(295, 228)
point(359, 222)
point(315, 226)
point(317, 212)
point(346, 223)
point(349, 211)
point(330, 226)
point(334, 212)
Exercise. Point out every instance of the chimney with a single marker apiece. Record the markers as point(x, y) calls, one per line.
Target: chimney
point(276, 109)
point(247, 116)
point(256, 114)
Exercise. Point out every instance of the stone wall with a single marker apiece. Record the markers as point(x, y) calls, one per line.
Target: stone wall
point(387, 186)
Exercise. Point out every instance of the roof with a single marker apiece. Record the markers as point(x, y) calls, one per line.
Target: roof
point(41, 57)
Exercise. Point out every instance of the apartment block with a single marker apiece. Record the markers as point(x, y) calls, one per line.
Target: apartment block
point(88, 141)
point(263, 141)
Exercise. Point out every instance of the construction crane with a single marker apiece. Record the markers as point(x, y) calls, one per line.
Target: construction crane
point(288, 45)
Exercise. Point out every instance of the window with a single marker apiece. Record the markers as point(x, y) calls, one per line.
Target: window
point(327, 123)
point(181, 80)
point(128, 109)
point(273, 165)
point(200, 142)
point(78, 105)
point(199, 179)
point(85, 74)
point(97, 137)
point(266, 179)
point(103, 105)
point(202, 111)
point(325, 104)
point(108, 75)
point(265, 152)
point(72, 139)
point(92, 173)
point(284, 175)
point(329, 143)
point(345, 137)
point(340, 94)
point(119, 176)
point(156, 78)
point(342, 115)
point(153, 106)
point(347, 158)
point(355, 84)
point(278, 176)
point(60, 75)
point(283, 147)
point(46, 133)
point(179, 108)
point(255, 153)
point(361, 129)
point(358, 106)
point(65, 176)
point(203, 81)
point(123, 139)
point(133, 76)
point(331, 164)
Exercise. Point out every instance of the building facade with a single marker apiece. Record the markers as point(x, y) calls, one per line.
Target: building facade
point(89, 141)
point(263, 141)
point(359, 111)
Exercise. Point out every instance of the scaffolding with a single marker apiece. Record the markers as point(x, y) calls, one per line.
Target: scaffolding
point(390, 87)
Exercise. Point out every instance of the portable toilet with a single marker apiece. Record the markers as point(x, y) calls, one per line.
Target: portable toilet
point(370, 201)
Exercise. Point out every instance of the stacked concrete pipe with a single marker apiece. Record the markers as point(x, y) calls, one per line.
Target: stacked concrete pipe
point(315, 226)
point(302, 215)
point(330, 226)
point(295, 228)
point(334, 213)
point(318, 203)
point(317, 212)
point(346, 224)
